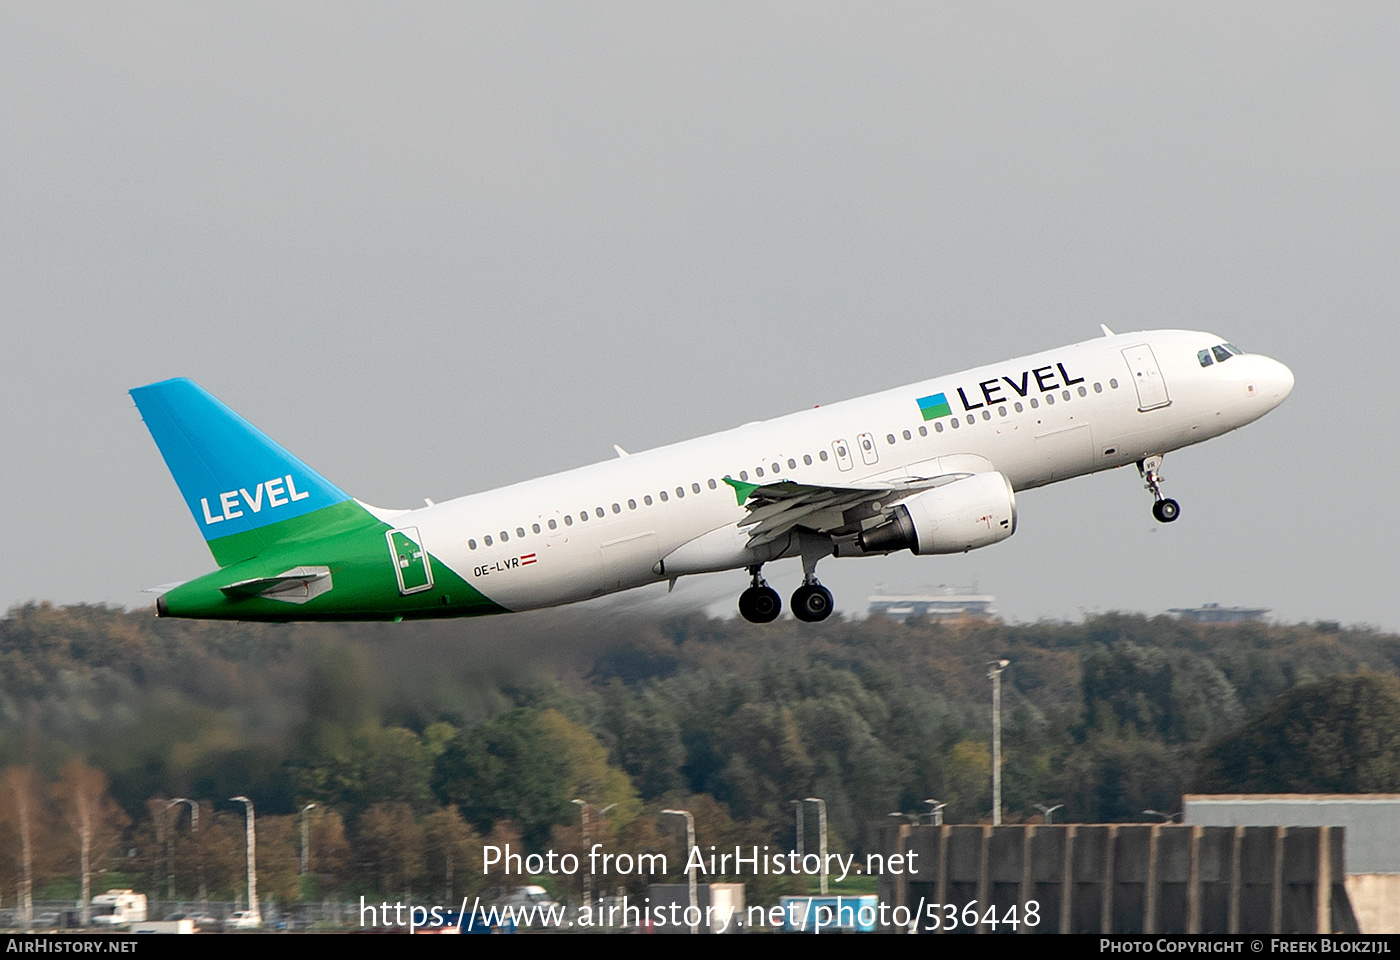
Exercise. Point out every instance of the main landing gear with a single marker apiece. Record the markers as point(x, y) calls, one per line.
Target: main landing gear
point(1164, 509)
point(811, 602)
point(760, 603)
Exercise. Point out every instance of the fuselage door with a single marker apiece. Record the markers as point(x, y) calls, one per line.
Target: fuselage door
point(868, 451)
point(411, 564)
point(842, 449)
point(1147, 377)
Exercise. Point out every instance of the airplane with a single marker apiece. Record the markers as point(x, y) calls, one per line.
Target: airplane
point(933, 468)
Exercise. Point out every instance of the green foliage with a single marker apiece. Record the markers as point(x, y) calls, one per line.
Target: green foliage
point(504, 769)
point(386, 727)
point(1341, 735)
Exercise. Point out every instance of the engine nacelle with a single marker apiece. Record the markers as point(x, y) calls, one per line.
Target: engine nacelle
point(975, 511)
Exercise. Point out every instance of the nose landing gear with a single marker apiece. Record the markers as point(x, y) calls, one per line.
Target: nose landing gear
point(1164, 509)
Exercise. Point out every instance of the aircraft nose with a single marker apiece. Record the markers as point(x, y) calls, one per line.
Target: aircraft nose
point(1278, 381)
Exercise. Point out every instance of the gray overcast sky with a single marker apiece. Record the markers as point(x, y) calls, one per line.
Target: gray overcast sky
point(436, 248)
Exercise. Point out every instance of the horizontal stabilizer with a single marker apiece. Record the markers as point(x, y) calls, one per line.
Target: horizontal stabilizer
point(296, 585)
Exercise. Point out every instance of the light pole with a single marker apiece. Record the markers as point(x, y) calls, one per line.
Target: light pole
point(1049, 812)
point(690, 870)
point(305, 839)
point(198, 849)
point(251, 839)
point(994, 674)
point(169, 850)
point(821, 834)
point(584, 823)
point(801, 828)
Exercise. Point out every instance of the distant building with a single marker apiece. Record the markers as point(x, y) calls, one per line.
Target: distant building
point(941, 603)
point(1215, 613)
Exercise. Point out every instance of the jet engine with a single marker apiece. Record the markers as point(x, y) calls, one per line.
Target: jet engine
point(973, 512)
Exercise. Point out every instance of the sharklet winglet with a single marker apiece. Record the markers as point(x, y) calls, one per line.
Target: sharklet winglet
point(742, 490)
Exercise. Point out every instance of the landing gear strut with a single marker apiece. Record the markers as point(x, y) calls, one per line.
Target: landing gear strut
point(812, 602)
point(1164, 509)
point(760, 603)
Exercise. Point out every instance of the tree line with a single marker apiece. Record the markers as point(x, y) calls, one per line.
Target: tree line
point(419, 743)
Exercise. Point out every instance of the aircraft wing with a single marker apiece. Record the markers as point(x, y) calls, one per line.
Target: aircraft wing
point(776, 509)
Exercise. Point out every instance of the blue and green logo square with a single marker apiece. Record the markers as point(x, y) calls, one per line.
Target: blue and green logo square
point(934, 407)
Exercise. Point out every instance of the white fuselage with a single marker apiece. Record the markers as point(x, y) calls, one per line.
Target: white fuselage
point(1063, 413)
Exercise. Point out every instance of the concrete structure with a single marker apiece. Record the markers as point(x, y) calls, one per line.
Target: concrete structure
point(942, 603)
point(1128, 878)
point(1372, 825)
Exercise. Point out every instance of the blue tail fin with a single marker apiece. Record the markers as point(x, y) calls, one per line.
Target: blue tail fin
point(234, 478)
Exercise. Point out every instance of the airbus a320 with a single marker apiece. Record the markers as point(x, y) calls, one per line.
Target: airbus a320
point(932, 468)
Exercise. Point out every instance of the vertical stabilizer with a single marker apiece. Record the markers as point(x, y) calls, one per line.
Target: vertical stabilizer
point(244, 490)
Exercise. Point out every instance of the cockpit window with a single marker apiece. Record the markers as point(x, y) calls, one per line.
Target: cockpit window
point(1221, 353)
point(1234, 349)
point(1204, 357)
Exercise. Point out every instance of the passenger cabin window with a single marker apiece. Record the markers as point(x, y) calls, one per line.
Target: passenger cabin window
point(554, 525)
point(471, 544)
point(487, 539)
